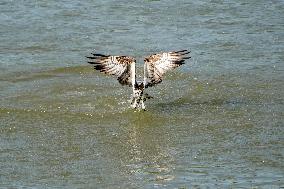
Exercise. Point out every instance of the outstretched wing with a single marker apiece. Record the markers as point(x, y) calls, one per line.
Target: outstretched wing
point(123, 67)
point(156, 65)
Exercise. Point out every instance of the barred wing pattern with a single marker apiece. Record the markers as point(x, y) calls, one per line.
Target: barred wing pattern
point(123, 67)
point(156, 65)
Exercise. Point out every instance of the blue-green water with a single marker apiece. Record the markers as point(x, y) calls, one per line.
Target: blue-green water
point(216, 122)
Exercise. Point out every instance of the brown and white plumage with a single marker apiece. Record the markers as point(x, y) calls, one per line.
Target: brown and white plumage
point(123, 67)
point(156, 65)
point(119, 66)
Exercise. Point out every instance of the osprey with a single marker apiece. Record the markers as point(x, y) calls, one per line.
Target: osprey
point(123, 67)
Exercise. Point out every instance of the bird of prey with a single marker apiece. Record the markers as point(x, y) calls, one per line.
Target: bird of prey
point(123, 67)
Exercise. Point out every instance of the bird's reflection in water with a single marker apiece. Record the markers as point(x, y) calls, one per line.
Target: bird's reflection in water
point(150, 157)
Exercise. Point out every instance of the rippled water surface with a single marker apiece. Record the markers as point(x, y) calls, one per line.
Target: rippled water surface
point(216, 122)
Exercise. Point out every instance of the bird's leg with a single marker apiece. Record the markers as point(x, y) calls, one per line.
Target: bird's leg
point(138, 99)
point(134, 101)
point(135, 98)
point(142, 104)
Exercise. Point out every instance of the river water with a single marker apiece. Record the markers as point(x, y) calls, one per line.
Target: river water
point(215, 122)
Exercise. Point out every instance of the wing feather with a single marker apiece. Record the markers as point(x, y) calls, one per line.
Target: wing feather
point(123, 67)
point(156, 65)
